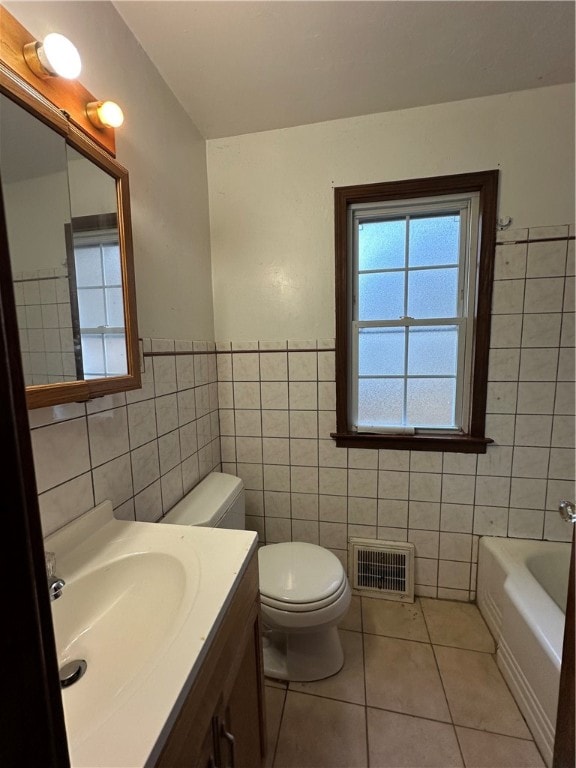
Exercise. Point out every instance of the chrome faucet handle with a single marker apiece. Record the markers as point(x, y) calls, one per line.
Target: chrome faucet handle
point(567, 511)
point(55, 588)
point(55, 584)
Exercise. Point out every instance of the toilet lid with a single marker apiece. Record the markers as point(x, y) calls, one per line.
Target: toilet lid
point(282, 605)
point(295, 572)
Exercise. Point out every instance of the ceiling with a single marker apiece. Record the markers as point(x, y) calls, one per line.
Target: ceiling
point(243, 66)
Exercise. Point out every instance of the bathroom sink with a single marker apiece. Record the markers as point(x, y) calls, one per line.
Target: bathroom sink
point(118, 617)
point(139, 603)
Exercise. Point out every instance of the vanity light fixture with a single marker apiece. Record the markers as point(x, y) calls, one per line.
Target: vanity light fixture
point(54, 56)
point(105, 114)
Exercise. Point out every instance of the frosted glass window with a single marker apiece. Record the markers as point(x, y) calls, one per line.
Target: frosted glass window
point(115, 348)
point(431, 402)
point(433, 351)
point(112, 266)
point(412, 307)
point(114, 307)
point(88, 266)
point(381, 351)
point(93, 355)
point(434, 240)
point(381, 296)
point(91, 308)
point(101, 304)
point(380, 402)
point(381, 244)
point(433, 293)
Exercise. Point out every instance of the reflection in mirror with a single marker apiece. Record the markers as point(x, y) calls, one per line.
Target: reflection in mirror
point(37, 203)
point(63, 235)
point(67, 202)
point(93, 239)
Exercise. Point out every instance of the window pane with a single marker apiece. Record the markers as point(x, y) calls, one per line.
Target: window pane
point(91, 307)
point(92, 355)
point(115, 346)
point(380, 402)
point(114, 307)
point(112, 270)
point(381, 244)
point(431, 402)
point(381, 351)
point(433, 351)
point(433, 293)
point(434, 240)
point(381, 296)
point(88, 266)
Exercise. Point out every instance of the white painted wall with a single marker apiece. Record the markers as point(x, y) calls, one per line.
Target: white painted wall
point(271, 200)
point(43, 245)
point(92, 190)
point(166, 159)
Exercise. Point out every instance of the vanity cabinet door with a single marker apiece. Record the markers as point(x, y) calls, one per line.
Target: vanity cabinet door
point(241, 734)
point(221, 722)
point(208, 753)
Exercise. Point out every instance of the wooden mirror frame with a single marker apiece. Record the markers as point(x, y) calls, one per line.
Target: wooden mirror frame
point(98, 146)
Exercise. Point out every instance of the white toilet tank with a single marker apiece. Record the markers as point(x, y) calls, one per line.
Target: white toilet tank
point(216, 502)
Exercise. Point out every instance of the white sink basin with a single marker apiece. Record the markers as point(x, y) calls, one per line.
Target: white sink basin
point(118, 617)
point(139, 603)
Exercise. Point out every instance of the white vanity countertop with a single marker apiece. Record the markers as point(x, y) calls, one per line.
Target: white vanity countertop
point(123, 723)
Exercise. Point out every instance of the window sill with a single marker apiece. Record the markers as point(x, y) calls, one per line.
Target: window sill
point(447, 443)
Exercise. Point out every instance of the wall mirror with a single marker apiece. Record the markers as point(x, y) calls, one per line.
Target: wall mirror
point(70, 249)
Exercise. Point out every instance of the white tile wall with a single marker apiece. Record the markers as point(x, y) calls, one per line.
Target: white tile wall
point(146, 448)
point(142, 450)
point(277, 409)
point(45, 325)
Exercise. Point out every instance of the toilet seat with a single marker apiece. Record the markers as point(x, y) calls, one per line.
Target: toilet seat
point(295, 576)
point(283, 605)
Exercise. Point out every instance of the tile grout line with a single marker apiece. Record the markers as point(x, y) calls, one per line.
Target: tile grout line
point(277, 739)
point(555, 382)
point(426, 642)
point(366, 729)
point(365, 706)
point(455, 732)
point(517, 388)
point(530, 739)
point(406, 714)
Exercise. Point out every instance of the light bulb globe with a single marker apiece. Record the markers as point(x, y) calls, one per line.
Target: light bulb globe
point(110, 114)
point(59, 56)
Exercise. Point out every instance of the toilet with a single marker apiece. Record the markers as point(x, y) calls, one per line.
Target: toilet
point(304, 591)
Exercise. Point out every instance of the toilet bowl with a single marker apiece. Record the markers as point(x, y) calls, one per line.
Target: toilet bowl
point(304, 591)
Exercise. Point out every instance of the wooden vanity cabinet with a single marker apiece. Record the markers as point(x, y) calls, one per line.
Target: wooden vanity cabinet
point(221, 722)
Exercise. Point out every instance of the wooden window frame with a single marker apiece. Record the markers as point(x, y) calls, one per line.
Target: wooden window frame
point(486, 184)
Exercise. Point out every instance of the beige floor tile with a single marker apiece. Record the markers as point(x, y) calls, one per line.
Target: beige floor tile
point(402, 741)
point(457, 624)
point(274, 705)
point(477, 694)
point(401, 675)
point(273, 683)
point(321, 733)
point(486, 750)
point(353, 619)
point(348, 684)
point(393, 619)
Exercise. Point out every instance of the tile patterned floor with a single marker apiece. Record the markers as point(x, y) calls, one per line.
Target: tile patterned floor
point(419, 689)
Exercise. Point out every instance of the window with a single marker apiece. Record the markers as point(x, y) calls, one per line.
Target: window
point(414, 263)
point(98, 269)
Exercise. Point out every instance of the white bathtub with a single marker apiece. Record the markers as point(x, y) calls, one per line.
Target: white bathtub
point(522, 588)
